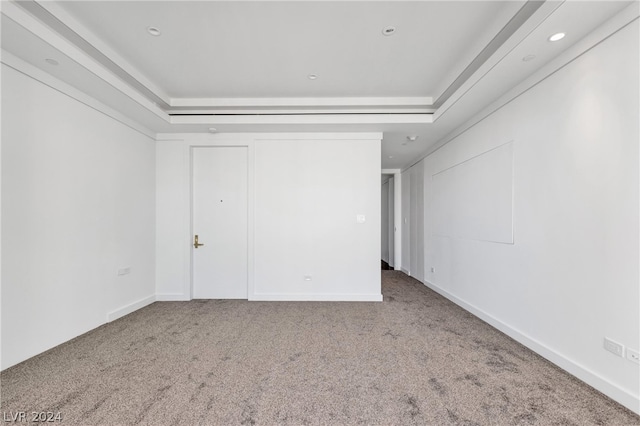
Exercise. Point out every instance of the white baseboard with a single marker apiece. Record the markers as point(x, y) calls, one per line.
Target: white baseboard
point(132, 307)
point(172, 297)
point(305, 297)
point(405, 271)
point(632, 402)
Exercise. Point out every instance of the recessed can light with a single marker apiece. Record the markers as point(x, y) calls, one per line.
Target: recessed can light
point(312, 76)
point(528, 58)
point(391, 156)
point(153, 31)
point(412, 138)
point(212, 130)
point(557, 36)
point(51, 61)
point(389, 30)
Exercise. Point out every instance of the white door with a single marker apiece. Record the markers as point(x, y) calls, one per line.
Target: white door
point(220, 221)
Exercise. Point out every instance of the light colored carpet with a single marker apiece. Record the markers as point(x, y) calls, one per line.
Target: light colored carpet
point(416, 358)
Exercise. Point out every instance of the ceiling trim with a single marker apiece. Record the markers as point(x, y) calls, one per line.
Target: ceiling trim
point(301, 102)
point(51, 18)
point(59, 21)
point(304, 119)
point(546, 9)
point(300, 111)
point(56, 27)
point(23, 18)
point(248, 137)
point(522, 16)
point(296, 106)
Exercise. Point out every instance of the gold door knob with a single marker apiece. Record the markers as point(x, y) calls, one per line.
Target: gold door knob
point(196, 244)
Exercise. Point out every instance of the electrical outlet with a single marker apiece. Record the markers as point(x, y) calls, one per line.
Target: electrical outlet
point(614, 347)
point(433, 269)
point(633, 356)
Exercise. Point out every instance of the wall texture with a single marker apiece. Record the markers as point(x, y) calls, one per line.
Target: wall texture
point(570, 276)
point(77, 205)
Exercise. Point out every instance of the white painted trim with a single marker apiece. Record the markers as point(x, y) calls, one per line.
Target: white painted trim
point(304, 119)
point(405, 271)
point(63, 16)
point(591, 378)
point(375, 136)
point(538, 17)
point(302, 102)
point(37, 74)
point(132, 307)
point(202, 139)
point(304, 110)
point(172, 297)
point(397, 216)
point(37, 28)
point(293, 297)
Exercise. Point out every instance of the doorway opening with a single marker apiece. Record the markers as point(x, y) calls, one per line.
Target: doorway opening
point(387, 254)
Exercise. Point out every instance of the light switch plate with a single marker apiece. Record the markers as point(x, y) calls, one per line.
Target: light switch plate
point(360, 218)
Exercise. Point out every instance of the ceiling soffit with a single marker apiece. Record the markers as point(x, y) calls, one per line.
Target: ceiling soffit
point(418, 109)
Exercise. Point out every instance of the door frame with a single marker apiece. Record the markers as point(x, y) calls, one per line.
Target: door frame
point(397, 216)
point(250, 207)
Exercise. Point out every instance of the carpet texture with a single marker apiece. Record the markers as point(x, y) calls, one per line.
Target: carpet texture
point(416, 358)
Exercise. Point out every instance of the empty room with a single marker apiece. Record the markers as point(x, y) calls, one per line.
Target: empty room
point(320, 212)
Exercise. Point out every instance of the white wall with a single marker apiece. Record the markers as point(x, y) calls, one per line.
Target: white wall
point(405, 184)
point(305, 193)
point(391, 221)
point(77, 205)
point(413, 221)
point(571, 275)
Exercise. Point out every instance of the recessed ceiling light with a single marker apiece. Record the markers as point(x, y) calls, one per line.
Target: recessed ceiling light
point(528, 58)
point(51, 61)
point(391, 156)
point(389, 30)
point(212, 130)
point(312, 76)
point(557, 36)
point(153, 31)
point(412, 138)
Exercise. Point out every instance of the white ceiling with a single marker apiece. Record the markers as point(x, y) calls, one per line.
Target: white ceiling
point(267, 49)
point(240, 57)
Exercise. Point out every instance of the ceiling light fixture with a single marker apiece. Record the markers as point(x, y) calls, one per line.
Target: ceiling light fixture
point(529, 58)
point(557, 36)
point(391, 156)
point(389, 30)
point(51, 61)
point(212, 130)
point(412, 138)
point(312, 76)
point(153, 31)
